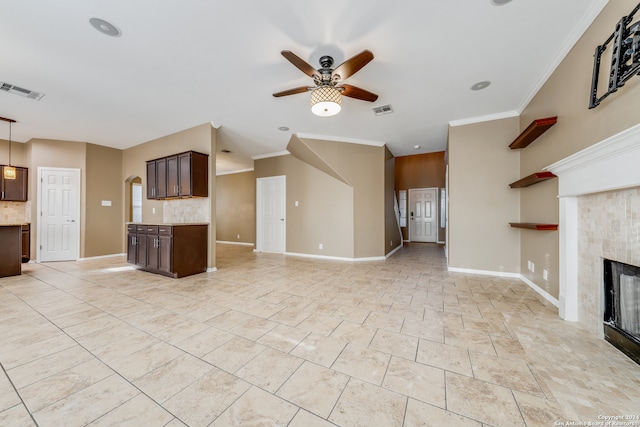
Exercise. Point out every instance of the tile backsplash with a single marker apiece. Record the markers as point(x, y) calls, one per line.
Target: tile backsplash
point(186, 211)
point(15, 212)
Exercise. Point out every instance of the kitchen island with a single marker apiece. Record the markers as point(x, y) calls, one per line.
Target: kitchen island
point(10, 250)
point(174, 250)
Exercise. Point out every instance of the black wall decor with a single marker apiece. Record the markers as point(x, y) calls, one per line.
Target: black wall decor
point(625, 57)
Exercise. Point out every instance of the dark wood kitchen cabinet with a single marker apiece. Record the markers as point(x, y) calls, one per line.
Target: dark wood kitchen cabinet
point(180, 175)
point(131, 243)
point(10, 250)
point(157, 179)
point(15, 190)
point(137, 244)
point(171, 250)
point(26, 242)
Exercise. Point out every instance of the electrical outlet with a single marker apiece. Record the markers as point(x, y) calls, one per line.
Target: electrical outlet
point(533, 268)
point(238, 237)
point(545, 274)
point(320, 246)
point(295, 203)
point(391, 243)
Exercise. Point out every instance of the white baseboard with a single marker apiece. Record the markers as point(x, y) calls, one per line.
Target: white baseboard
point(224, 242)
point(393, 251)
point(211, 269)
point(335, 258)
point(541, 291)
point(484, 272)
point(102, 256)
point(532, 285)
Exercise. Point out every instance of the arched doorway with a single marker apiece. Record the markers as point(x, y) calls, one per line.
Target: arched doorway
point(133, 199)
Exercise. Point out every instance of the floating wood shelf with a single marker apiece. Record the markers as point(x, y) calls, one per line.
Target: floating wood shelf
point(535, 129)
point(534, 178)
point(534, 226)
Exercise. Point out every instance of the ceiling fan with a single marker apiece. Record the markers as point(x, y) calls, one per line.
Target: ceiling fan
point(326, 95)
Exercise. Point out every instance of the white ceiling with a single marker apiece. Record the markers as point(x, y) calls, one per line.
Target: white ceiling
point(179, 64)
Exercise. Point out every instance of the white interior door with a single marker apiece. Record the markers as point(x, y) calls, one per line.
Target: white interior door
point(423, 215)
point(271, 219)
point(59, 219)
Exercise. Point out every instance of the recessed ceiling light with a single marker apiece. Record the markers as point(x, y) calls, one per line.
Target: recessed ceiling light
point(224, 150)
point(283, 128)
point(417, 147)
point(481, 85)
point(500, 2)
point(105, 27)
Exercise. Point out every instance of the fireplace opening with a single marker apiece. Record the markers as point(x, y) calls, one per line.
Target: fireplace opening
point(622, 307)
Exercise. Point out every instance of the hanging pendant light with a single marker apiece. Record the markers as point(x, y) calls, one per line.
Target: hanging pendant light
point(9, 172)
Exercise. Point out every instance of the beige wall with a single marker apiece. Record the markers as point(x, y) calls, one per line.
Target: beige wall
point(325, 207)
point(103, 178)
point(100, 171)
point(481, 204)
point(345, 196)
point(57, 154)
point(363, 167)
point(18, 153)
point(566, 95)
point(236, 207)
point(197, 139)
point(200, 138)
point(392, 235)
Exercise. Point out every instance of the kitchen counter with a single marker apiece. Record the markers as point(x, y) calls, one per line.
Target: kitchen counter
point(10, 250)
point(167, 223)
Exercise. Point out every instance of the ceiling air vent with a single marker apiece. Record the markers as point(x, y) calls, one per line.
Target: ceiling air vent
point(382, 110)
point(21, 91)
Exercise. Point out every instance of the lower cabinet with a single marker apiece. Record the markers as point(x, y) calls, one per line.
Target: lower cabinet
point(26, 242)
point(171, 250)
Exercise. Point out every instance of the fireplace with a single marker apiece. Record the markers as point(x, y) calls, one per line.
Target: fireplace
point(622, 307)
point(599, 218)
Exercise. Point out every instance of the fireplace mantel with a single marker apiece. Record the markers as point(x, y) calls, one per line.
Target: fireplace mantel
point(611, 164)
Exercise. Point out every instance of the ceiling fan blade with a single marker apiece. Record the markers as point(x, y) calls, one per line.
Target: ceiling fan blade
point(353, 64)
point(300, 63)
point(291, 91)
point(356, 92)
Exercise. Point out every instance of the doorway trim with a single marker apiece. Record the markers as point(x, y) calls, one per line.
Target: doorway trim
point(40, 183)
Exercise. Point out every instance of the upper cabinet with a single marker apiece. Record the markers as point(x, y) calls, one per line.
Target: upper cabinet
point(15, 190)
point(179, 175)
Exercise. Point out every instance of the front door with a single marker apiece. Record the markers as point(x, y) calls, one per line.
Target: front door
point(59, 219)
point(270, 204)
point(423, 221)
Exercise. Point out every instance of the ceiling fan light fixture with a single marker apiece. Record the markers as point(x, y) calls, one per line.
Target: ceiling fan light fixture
point(326, 101)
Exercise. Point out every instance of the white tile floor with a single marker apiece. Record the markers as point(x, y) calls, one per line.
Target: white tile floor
point(270, 340)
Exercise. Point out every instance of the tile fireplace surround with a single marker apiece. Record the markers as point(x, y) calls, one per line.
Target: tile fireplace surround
point(599, 191)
